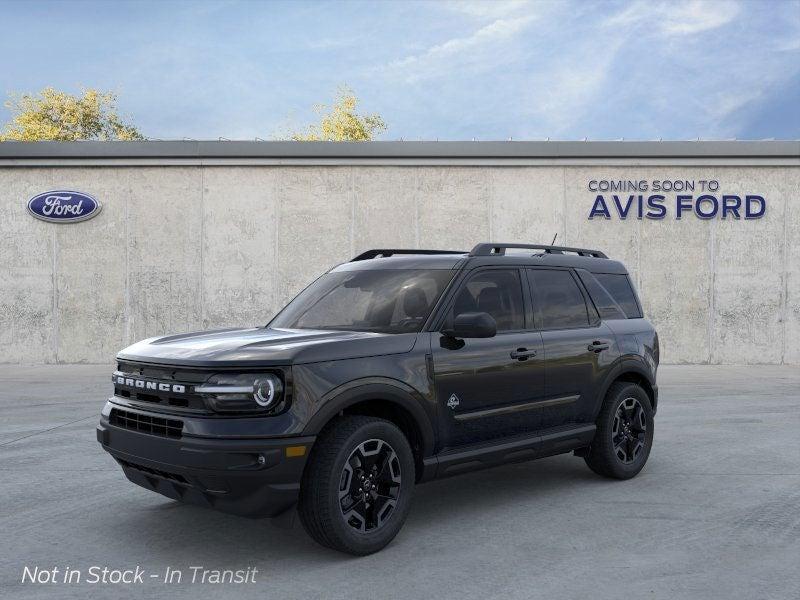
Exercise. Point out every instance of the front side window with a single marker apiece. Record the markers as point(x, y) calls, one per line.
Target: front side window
point(497, 292)
point(559, 299)
point(382, 301)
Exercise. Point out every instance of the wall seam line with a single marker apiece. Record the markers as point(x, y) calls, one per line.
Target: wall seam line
point(712, 240)
point(54, 242)
point(276, 232)
point(127, 309)
point(416, 208)
point(56, 320)
point(202, 294)
point(352, 212)
point(639, 255)
point(785, 273)
point(489, 205)
point(564, 201)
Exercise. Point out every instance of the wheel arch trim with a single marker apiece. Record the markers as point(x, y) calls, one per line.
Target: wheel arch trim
point(626, 366)
point(375, 389)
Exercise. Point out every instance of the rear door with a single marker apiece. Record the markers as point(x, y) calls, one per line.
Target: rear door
point(579, 348)
point(486, 388)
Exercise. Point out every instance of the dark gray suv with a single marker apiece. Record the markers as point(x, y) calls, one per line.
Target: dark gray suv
point(395, 368)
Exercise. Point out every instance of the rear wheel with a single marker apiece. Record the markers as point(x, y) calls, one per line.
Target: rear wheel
point(356, 491)
point(624, 433)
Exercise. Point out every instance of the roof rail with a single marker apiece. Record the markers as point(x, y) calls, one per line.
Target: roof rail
point(488, 249)
point(384, 252)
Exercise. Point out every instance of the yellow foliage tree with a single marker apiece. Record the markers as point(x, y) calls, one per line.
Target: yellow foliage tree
point(341, 123)
point(62, 117)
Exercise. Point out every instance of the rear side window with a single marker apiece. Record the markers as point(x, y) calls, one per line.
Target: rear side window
point(559, 301)
point(620, 289)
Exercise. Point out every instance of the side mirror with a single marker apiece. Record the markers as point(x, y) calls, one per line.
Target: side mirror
point(472, 325)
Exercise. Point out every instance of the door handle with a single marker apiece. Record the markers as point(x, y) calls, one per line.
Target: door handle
point(597, 346)
point(522, 353)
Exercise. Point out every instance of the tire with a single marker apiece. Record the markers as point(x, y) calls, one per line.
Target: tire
point(620, 447)
point(351, 520)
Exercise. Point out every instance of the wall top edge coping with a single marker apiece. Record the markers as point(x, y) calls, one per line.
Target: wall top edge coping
point(378, 152)
point(78, 163)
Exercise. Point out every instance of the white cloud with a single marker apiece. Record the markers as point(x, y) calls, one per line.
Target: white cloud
point(788, 45)
point(736, 76)
point(651, 69)
point(488, 9)
point(585, 80)
point(563, 91)
point(333, 43)
point(634, 14)
point(677, 18)
point(697, 16)
point(479, 49)
point(722, 104)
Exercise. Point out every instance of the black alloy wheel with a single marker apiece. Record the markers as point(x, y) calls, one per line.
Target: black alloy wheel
point(629, 432)
point(624, 434)
point(357, 486)
point(370, 485)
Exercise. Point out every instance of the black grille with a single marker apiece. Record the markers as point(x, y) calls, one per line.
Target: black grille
point(157, 472)
point(186, 402)
point(193, 401)
point(171, 428)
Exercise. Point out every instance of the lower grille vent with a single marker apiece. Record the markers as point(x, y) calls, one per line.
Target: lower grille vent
point(156, 472)
point(171, 428)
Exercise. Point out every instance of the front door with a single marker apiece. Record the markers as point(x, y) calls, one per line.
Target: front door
point(487, 387)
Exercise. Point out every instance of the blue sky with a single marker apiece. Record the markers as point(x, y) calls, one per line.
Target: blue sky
point(434, 70)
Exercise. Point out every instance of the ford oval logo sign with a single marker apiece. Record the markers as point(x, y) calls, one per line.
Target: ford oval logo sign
point(63, 206)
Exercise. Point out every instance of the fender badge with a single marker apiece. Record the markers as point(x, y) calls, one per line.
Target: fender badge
point(453, 401)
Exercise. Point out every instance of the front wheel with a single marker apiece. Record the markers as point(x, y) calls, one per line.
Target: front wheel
point(356, 491)
point(624, 433)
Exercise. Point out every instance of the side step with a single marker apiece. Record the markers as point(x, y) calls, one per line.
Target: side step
point(481, 456)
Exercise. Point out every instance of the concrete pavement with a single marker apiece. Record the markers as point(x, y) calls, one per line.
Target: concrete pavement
point(715, 513)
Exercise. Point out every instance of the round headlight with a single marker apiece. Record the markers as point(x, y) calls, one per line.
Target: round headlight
point(242, 392)
point(264, 392)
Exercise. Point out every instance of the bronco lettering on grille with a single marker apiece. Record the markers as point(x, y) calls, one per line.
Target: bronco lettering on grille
point(144, 384)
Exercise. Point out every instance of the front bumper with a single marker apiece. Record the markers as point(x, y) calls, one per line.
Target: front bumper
point(247, 477)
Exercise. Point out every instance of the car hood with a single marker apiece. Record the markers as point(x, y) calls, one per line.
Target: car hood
point(264, 346)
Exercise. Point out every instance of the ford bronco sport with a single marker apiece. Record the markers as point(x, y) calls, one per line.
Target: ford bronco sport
point(395, 368)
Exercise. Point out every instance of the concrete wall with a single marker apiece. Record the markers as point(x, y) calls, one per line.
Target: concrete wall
point(184, 248)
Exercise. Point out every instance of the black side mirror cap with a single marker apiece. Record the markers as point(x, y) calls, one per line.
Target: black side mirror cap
point(472, 325)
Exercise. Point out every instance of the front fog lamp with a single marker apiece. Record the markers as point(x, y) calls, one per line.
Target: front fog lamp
point(238, 393)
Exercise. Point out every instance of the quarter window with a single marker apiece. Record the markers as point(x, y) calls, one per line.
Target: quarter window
point(619, 287)
point(497, 292)
point(606, 305)
point(559, 299)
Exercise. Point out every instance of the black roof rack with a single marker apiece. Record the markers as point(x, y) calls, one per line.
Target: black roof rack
point(487, 249)
point(384, 252)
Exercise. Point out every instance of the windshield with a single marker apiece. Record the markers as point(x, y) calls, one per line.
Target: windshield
point(388, 301)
